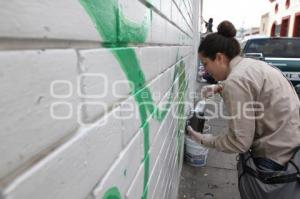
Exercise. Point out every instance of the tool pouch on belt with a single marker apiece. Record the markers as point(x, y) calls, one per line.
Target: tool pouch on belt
point(290, 174)
point(264, 183)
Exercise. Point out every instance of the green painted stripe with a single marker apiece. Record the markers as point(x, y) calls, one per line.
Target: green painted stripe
point(117, 32)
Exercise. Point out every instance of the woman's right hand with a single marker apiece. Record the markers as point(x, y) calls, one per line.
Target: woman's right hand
point(209, 91)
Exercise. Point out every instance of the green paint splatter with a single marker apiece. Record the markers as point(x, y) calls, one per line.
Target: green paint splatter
point(105, 16)
point(112, 193)
point(116, 31)
point(111, 24)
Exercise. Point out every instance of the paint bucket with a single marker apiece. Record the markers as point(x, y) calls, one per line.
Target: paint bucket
point(196, 154)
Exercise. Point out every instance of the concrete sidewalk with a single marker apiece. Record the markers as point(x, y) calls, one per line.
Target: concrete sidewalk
point(218, 179)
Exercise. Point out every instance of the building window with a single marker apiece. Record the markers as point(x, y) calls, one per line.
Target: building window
point(287, 4)
point(284, 30)
point(276, 8)
point(273, 30)
point(296, 31)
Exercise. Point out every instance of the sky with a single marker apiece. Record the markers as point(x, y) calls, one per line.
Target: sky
point(242, 13)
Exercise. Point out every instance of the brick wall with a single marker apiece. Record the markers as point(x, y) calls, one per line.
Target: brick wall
point(93, 97)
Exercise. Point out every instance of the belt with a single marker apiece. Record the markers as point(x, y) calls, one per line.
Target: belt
point(269, 164)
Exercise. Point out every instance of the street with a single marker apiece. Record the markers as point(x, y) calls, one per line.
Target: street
point(218, 179)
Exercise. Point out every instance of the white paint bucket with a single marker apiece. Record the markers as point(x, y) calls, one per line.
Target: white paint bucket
point(196, 154)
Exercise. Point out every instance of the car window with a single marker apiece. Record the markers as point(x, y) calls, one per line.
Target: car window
point(286, 48)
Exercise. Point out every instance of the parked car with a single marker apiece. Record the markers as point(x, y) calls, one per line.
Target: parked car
point(280, 52)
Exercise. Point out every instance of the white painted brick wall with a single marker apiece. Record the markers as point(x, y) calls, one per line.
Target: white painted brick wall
point(124, 169)
point(46, 20)
point(101, 146)
point(73, 169)
point(26, 126)
point(101, 76)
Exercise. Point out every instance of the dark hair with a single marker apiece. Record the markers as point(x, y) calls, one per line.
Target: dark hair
point(222, 41)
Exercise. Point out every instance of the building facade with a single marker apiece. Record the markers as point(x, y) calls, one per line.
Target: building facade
point(283, 19)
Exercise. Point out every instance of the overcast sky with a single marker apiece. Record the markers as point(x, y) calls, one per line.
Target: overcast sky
point(242, 13)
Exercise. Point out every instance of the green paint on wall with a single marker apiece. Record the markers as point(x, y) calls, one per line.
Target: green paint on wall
point(112, 193)
point(130, 65)
point(105, 16)
point(111, 24)
point(180, 111)
point(117, 32)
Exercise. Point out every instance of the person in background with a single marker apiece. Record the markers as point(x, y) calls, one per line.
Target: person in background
point(205, 75)
point(264, 127)
point(209, 25)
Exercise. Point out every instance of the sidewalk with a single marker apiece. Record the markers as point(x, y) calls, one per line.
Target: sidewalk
point(218, 179)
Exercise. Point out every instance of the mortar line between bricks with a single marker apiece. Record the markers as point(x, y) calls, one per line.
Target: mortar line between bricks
point(190, 17)
point(13, 44)
point(182, 15)
point(163, 16)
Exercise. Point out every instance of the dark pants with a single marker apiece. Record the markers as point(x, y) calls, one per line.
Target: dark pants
point(251, 187)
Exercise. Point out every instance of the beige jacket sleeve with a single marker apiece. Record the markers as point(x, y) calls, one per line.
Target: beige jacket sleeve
point(238, 96)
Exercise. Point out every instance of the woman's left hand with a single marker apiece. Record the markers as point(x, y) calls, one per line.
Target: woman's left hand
point(197, 136)
point(202, 139)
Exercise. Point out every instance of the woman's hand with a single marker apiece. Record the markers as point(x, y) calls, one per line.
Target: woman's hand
point(197, 136)
point(208, 91)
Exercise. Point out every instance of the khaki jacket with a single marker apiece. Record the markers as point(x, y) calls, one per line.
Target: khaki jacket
point(264, 110)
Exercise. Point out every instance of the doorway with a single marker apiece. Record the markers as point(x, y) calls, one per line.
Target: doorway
point(284, 26)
